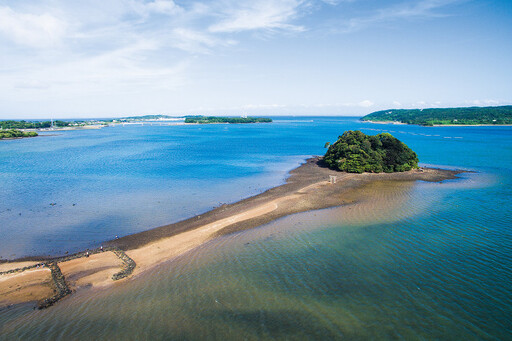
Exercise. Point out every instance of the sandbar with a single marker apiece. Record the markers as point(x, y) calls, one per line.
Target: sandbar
point(307, 188)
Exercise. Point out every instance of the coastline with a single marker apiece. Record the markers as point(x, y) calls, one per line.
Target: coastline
point(440, 125)
point(307, 188)
point(17, 138)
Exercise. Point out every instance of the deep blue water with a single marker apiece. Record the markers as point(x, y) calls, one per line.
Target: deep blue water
point(434, 262)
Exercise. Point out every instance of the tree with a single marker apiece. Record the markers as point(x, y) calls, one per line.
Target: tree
point(356, 152)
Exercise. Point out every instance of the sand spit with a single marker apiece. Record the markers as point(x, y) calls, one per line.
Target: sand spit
point(307, 188)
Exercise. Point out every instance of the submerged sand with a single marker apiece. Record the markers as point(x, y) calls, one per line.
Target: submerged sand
point(307, 188)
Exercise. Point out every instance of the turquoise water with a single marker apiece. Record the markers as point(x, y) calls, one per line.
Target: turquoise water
point(424, 261)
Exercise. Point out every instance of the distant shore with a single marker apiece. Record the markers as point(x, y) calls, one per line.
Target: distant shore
point(307, 188)
point(96, 126)
point(440, 125)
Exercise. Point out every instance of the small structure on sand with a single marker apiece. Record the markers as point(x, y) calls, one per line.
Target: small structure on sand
point(332, 179)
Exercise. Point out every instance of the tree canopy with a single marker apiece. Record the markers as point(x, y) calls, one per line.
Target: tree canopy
point(356, 152)
point(11, 124)
point(13, 133)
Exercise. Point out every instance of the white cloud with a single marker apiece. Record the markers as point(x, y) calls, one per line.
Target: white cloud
point(262, 106)
point(260, 14)
point(405, 10)
point(485, 102)
point(366, 104)
point(163, 6)
point(167, 7)
point(196, 41)
point(122, 69)
point(35, 30)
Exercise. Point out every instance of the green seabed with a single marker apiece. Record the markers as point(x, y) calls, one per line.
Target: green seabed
point(372, 271)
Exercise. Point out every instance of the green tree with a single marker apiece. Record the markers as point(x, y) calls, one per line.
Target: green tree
point(356, 152)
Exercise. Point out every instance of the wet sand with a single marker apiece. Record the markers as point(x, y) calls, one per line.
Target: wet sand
point(307, 188)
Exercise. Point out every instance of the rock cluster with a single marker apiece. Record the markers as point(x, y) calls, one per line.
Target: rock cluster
point(60, 285)
point(129, 265)
point(59, 282)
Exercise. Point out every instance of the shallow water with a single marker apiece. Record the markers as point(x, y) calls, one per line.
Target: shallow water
point(421, 261)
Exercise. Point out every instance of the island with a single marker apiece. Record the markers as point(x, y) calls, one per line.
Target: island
point(500, 115)
point(8, 134)
point(216, 119)
point(311, 186)
point(356, 152)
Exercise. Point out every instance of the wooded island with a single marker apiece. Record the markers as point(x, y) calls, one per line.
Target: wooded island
point(15, 134)
point(215, 119)
point(356, 152)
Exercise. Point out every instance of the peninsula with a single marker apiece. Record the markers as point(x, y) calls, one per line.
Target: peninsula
point(501, 115)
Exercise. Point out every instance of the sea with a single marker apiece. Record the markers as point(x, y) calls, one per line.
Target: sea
point(416, 261)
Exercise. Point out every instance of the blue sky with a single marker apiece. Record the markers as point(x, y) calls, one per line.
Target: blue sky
point(97, 58)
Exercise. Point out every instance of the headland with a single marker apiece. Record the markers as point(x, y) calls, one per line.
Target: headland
point(311, 186)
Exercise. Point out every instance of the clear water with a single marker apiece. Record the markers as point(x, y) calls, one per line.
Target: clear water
point(427, 261)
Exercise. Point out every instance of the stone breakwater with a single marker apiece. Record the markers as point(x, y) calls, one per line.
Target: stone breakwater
point(59, 283)
point(60, 286)
point(129, 265)
point(17, 270)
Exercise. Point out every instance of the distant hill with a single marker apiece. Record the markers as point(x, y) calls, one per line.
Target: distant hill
point(215, 119)
point(356, 152)
point(445, 116)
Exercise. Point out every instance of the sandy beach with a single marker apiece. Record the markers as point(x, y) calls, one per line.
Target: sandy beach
point(307, 188)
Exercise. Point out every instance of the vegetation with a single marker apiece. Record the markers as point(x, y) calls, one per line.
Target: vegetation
point(429, 117)
point(13, 134)
point(31, 124)
point(356, 152)
point(214, 119)
point(140, 118)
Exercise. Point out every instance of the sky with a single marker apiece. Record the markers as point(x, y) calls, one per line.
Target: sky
point(110, 58)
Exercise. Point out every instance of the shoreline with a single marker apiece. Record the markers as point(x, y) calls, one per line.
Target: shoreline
point(17, 138)
point(440, 125)
point(307, 188)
